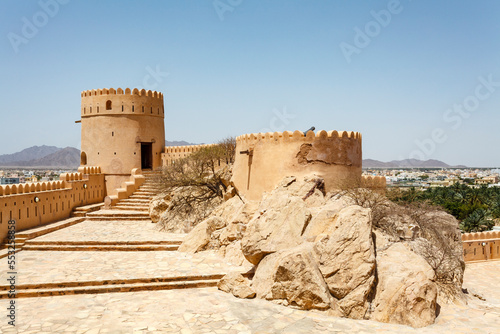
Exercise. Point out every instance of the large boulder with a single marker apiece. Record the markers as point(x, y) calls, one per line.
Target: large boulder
point(292, 276)
point(200, 237)
point(434, 235)
point(282, 217)
point(158, 205)
point(279, 225)
point(234, 255)
point(406, 293)
point(236, 284)
point(309, 188)
point(324, 218)
point(347, 260)
point(236, 210)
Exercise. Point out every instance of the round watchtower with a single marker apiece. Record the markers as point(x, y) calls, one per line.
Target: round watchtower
point(122, 130)
point(264, 159)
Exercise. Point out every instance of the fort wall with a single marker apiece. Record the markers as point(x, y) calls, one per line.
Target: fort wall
point(35, 204)
point(173, 153)
point(122, 130)
point(264, 159)
point(481, 246)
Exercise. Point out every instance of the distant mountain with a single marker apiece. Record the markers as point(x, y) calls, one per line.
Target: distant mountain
point(370, 163)
point(32, 153)
point(61, 157)
point(407, 163)
point(177, 143)
point(66, 157)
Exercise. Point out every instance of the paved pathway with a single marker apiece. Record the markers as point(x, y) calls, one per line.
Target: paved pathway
point(201, 310)
point(111, 231)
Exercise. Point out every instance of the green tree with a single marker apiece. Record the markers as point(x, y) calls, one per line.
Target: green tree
point(477, 221)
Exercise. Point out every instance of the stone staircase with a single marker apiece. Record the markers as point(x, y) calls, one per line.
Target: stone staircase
point(139, 200)
point(136, 207)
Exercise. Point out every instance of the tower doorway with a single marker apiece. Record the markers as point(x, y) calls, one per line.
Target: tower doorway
point(147, 155)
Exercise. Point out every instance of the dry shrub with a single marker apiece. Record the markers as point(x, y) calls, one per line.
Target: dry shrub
point(428, 230)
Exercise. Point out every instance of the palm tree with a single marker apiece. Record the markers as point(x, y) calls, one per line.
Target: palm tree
point(478, 221)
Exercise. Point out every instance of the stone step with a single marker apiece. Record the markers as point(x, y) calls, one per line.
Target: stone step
point(72, 284)
point(105, 215)
point(5, 252)
point(143, 192)
point(89, 208)
point(151, 186)
point(129, 207)
point(22, 236)
point(135, 200)
point(103, 248)
point(141, 197)
point(93, 242)
point(82, 211)
point(133, 206)
point(106, 286)
point(128, 218)
point(117, 213)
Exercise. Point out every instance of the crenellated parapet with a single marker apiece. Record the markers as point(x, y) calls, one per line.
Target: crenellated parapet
point(119, 91)
point(173, 153)
point(298, 136)
point(264, 159)
point(89, 170)
point(105, 101)
point(481, 236)
point(185, 148)
point(26, 188)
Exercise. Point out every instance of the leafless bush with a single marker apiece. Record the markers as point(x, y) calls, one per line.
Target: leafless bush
point(376, 201)
point(430, 232)
point(198, 182)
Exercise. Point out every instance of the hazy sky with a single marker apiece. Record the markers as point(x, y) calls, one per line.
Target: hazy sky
point(417, 78)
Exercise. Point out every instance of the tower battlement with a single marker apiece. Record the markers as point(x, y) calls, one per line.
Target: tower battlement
point(96, 102)
point(264, 159)
point(297, 136)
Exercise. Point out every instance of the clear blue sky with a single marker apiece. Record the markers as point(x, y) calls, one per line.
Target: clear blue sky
point(234, 68)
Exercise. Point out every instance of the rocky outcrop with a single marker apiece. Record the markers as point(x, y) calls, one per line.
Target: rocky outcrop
point(277, 226)
point(319, 251)
point(201, 236)
point(236, 284)
point(223, 231)
point(324, 217)
point(406, 292)
point(435, 236)
point(158, 206)
point(347, 260)
point(293, 277)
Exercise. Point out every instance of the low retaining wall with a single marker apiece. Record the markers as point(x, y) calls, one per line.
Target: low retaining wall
point(36, 204)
